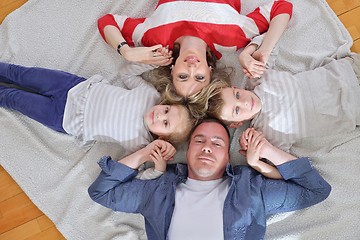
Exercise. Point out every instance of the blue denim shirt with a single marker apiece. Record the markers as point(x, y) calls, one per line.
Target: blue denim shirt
point(250, 199)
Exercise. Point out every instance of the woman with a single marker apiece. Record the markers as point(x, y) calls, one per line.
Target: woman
point(196, 38)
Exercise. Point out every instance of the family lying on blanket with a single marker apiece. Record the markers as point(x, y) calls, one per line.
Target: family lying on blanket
point(222, 201)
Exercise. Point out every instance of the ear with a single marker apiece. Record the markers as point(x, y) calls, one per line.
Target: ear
point(235, 124)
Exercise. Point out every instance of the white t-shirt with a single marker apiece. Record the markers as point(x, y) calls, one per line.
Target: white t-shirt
point(198, 212)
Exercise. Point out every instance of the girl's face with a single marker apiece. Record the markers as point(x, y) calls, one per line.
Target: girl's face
point(239, 104)
point(162, 120)
point(190, 73)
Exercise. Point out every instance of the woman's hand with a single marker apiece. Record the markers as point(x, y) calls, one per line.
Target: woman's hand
point(253, 67)
point(155, 55)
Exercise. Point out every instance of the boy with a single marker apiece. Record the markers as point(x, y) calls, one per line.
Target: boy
point(287, 107)
point(92, 109)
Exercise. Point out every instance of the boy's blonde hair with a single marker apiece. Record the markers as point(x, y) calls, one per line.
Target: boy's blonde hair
point(182, 131)
point(216, 103)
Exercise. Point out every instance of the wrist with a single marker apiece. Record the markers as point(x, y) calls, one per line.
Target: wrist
point(121, 47)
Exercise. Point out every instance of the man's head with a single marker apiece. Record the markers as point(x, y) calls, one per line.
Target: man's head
point(234, 106)
point(208, 151)
point(172, 123)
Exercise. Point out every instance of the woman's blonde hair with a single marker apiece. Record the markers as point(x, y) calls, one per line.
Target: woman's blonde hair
point(196, 103)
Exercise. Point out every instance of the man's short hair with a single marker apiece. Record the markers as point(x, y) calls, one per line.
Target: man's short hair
point(211, 120)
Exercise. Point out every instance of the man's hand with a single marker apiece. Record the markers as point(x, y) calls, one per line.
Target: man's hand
point(255, 143)
point(248, 137)
point(155, 55)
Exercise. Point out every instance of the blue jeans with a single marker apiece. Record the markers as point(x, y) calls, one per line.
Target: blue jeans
point(42, 94)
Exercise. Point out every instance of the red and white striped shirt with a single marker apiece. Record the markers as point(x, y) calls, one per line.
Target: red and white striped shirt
point(218, 22)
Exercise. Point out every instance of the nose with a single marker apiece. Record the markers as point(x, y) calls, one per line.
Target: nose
point(160, 116)
point(191, 64)
point(242, 103)
point(206, 149)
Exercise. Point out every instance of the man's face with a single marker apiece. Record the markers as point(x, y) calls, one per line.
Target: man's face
point(208, 152)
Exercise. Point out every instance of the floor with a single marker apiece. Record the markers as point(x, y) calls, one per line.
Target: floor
point(21, 219)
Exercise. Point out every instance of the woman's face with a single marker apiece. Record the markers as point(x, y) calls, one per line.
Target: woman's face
point(190, 73)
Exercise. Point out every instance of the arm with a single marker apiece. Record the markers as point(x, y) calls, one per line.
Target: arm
point(130, 74)
point(111, 33)
point(116, 188)
point(302, 185)
point(254, 57)
point(276, 28)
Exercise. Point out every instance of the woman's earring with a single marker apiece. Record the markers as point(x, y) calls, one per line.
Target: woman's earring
point(211, 68)
point(171, 67)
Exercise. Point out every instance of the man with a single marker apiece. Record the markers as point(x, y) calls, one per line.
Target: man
point(207, 198)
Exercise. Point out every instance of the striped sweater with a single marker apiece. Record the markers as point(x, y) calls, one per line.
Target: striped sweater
point(319, 102)
point(98, 111)
point(218, 22)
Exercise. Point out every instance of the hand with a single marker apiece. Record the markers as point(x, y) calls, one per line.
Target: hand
point(255, 143)
point(167, 150)
point(161, 152)
point(157, 157)
point(243, 140)
point(155, 55)
point(252, 67)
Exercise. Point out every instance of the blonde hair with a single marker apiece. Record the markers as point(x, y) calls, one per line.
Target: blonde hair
point(216, 104)
point(196, 103)
point(182, 131)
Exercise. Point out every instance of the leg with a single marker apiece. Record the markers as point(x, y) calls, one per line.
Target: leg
point(46, 110)
point(40, 80)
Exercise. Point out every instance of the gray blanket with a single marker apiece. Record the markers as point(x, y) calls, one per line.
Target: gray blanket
point(55, 173)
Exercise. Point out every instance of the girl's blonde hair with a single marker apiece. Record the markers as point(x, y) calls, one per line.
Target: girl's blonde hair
point(182, 131)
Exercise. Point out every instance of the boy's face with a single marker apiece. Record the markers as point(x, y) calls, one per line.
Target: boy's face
point(239, 104)
point(162, 120)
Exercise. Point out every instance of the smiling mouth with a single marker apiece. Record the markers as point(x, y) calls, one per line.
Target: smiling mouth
point(192, 59)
